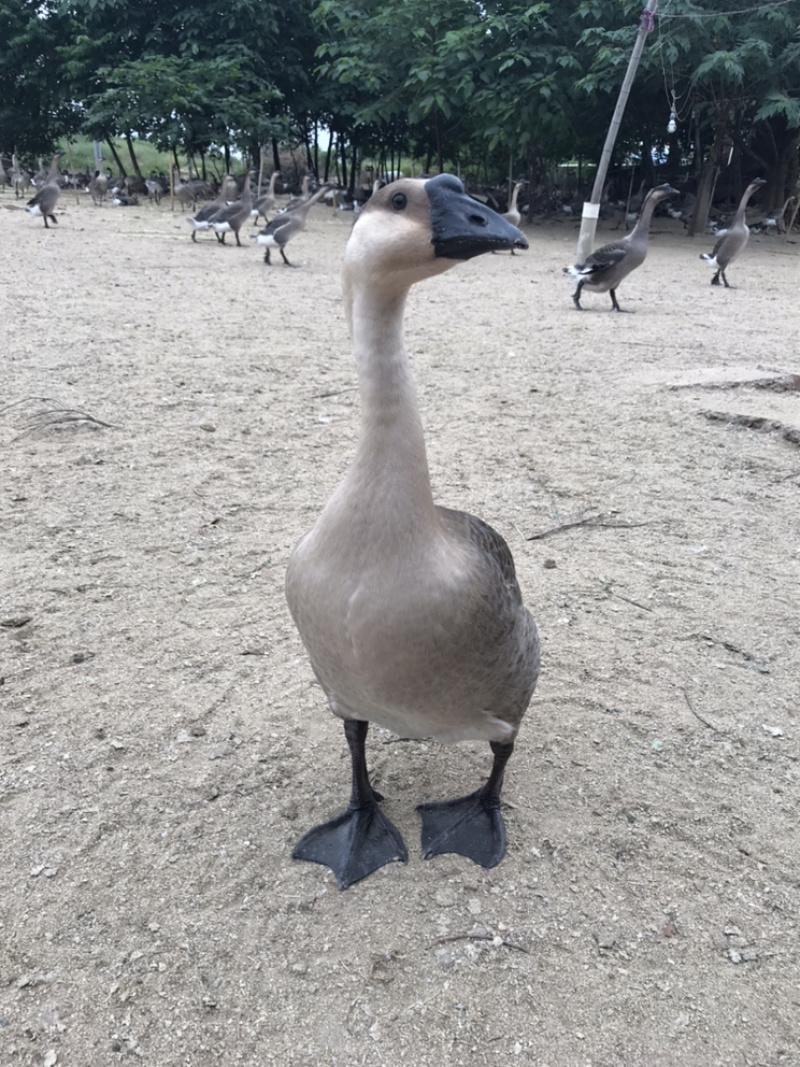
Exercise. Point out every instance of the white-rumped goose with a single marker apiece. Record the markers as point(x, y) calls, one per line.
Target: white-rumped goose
point(44, 203)
point(202, 220)
point(411, 613)
point(608, 266)
point(230, 219)
point(98, 186)
point(20, 178)
point(285, 226)
point(733, 242)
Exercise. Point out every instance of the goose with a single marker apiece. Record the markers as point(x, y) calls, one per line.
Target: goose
point(606, 267)
point(120, 199)
point(98, 186)
point(44, 203)
point(286, 225)
point(182, 191)
point(231, 218)
point(513, 214)
point(305, 193)
point(202, 220)
point(266, 202)
point(411, 613)
point(20, 178)
point(732, 244)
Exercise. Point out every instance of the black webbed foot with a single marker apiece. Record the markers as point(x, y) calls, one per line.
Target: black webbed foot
point(472, 826)
point(353, 844)
point(361, 839)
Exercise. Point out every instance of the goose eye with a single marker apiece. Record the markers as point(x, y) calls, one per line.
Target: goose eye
point(399, 201)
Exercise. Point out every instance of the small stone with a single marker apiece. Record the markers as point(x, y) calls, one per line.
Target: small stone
point(182, 737)
point(445, 898)
point(773, 731)
point(549, 564)
point(734, 956)
point(208, 427)
point(50, 872)
point(606, 940)
point(36, 871)
point(474, 906)
point(50, 1058)
point(749, 955)
point(446, 959)
point(299, 968)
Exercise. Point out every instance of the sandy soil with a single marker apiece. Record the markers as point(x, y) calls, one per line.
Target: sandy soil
point(162, 740)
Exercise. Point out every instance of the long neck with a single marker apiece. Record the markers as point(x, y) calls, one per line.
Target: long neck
point(390, 465)
point(514, 196)
point(739, 216)
point(272, 183)
point(642, 226)
point(52, 174)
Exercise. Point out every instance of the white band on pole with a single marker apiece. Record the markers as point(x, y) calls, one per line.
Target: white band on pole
point(591, 211)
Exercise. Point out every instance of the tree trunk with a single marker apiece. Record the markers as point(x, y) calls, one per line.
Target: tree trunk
point(132, 154)
point(353, 171)
point(344, 161)
point(117, 160)
point(227, 159)
point(439, 152)
point(276, 157)
point(328, 156)
point(707, 181)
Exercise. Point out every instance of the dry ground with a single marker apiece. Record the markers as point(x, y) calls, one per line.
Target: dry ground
point(162, 741)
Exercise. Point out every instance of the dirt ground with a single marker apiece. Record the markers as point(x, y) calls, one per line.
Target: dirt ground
point(163, 743)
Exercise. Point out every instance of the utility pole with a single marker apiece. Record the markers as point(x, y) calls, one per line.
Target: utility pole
point(591, 210)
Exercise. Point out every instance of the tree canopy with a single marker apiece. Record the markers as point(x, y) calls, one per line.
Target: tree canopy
point(499, 86)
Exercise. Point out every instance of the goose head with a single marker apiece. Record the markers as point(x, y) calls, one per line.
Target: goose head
point(416, 228)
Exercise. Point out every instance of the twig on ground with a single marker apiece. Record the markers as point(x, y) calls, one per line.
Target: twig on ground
point(334, 392)
point(57, 416)
point(592, 521)
point(26, 400)
point(494, 938)
point(697, 714)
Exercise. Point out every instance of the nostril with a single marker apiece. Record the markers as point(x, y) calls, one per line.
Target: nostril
point(478, 220)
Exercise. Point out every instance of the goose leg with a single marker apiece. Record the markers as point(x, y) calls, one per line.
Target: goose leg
point(286, 261)
point(266, 256)
point(194, 236)
point(576, 296)
point(724, 279)
point(361, 839)
point(615, 306)
point(238, 242)
point(472, 826)
point(715, 279)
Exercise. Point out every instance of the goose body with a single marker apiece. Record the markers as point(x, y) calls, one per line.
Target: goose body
point(732, 243)
point(44, 203)
point(202, 220)
point(411, 613)
point(98, 186)
point(231, 218)
point(286, 225)
point(606, 267)
point(296, 201)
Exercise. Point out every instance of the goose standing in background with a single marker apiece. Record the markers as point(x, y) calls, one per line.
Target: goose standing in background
point(733, 242)
point(202, 220)
point(286, 225)
point(513, 215)
point(305, 193)
point(411, 613)
point(230, 219)
point(606, 267)
point(44, 203)
point(266, 202)
point(98, 186)
point(20, 178)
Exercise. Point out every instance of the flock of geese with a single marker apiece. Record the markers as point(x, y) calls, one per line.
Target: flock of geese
point(228, 212)
point(410, 612)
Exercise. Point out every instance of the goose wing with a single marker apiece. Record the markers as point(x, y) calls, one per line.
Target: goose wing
point(605, 258)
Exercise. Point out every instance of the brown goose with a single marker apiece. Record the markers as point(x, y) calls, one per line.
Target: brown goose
point(44, 203)
point(20, 178)
point(305, 192)
point(266, 202)
point(608, 266)
point(733, 241)
point(202, 220)
point(230, 219)
point(411, 613)
point(286, 225)
point(98, 186)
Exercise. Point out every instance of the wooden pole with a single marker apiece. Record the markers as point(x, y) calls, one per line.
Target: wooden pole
point(591, 209)
point(260, 169)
